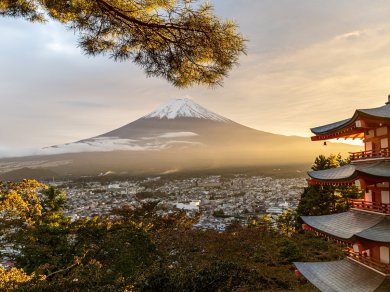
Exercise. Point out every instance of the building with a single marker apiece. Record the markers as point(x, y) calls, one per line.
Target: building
point(274, 211)
point(365, 228)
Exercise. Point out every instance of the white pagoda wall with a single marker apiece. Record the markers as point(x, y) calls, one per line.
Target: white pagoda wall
point(384, 254)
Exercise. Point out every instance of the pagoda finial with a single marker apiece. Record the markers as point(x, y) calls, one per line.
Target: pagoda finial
point(388, 99)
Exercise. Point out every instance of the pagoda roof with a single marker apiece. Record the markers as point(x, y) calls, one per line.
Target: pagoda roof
point(380, 232)
point(331, 127)
point(346, 172)
point(351, 172)
point(378, 113)
point(346, 225)
point(385, 287)
point(344, 275)
point(381, 169)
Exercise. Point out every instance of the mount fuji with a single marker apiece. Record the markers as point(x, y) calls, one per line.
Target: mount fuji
point(179, 123)
point(179, 135)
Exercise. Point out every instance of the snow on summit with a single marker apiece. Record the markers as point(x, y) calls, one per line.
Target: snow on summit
point(184, 108)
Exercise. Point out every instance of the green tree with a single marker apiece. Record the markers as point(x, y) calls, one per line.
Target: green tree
point(33, 225)
point(179, 40)
point(286, 222)
point(332, 161)
point(326, 199)
point(48, 247)
point(290, 251)
point(45, 243)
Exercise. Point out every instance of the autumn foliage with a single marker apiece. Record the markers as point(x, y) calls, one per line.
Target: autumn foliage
point(140, 250)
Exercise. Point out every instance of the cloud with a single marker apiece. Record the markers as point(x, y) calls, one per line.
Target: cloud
point(178, 135)
point(105, 144)
point(351, 35)
point(321, 83)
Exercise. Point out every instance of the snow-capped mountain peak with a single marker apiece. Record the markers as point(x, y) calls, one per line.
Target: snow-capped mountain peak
point(184, 108)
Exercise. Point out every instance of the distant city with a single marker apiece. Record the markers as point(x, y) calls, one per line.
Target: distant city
point(219, 200)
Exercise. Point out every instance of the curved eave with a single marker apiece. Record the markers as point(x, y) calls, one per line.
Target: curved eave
point(343, 174)
point(378, 233)
point(341, 276)
point(344, 225)
point(332, 127)
point(380, 169)
point(331, 182)
point(352, 133)
point(341, 129)
point(347, 174)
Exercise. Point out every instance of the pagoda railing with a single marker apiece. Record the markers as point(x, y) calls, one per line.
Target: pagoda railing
point(382, 153)
point(369, 206)
point(368, 261)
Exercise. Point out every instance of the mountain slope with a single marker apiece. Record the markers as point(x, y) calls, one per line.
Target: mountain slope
point(180, 135)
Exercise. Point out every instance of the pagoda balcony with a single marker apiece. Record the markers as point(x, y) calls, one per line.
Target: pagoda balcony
point(368, 261)
point(382, 153)
point(370, 206)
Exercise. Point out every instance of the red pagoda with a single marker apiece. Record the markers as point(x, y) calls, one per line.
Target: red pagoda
point(365, 228)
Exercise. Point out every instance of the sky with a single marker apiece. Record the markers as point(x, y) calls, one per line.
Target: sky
point(308, 63)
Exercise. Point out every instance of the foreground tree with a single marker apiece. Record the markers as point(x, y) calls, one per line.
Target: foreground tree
point(52, 253)
point(179, 40)
point(286, 222)
point(142, 249)
point(11, 280)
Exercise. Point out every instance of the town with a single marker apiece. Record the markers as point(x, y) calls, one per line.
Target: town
point(219, 200)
